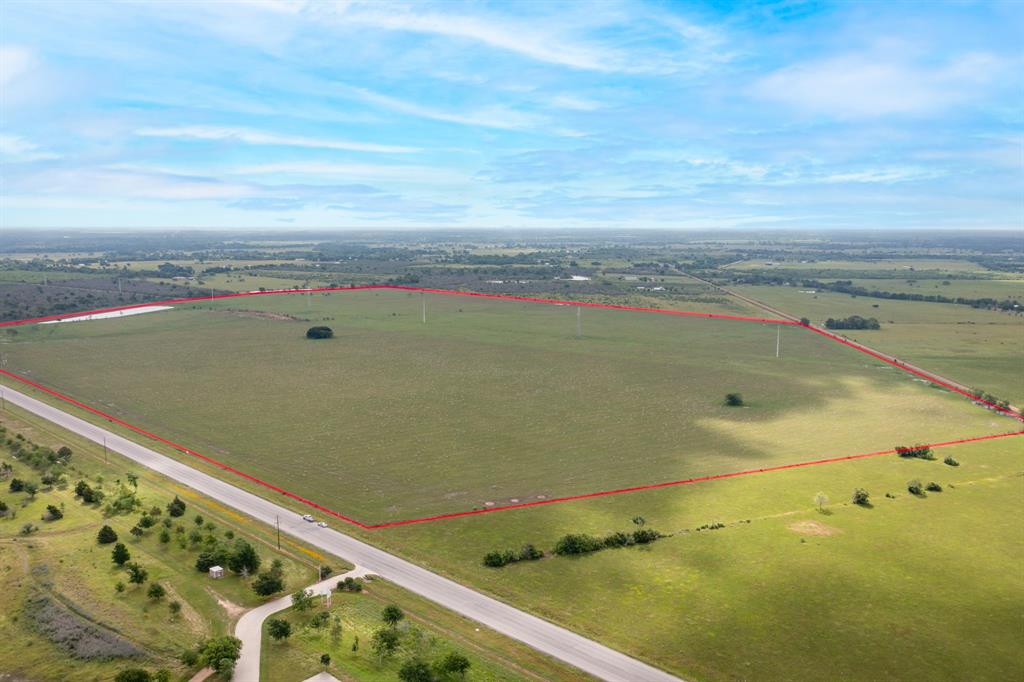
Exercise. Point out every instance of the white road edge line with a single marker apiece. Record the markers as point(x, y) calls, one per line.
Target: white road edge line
point(587, 655)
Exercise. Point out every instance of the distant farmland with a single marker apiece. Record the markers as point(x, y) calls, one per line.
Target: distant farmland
point(488, 403)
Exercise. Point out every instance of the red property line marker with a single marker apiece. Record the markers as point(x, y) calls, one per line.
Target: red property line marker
point(225, 467)
point(473, 512)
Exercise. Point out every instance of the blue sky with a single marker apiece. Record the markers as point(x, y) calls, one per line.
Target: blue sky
point(800, 115)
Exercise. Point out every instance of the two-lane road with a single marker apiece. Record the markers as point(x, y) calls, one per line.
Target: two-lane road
point(583, 653)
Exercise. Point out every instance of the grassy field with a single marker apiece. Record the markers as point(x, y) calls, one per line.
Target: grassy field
point(500, 392)
point(427, 633)
point(999, 289)
point(63, 560)
point(895, 265)
point(979, 348)
point(911, 588)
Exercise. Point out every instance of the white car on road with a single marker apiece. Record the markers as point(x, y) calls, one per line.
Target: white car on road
point(322, 524)
point(308, 517)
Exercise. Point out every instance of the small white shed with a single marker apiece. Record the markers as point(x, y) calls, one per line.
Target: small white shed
point(216, 572)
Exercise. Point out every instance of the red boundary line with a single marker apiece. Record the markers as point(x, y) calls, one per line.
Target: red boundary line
point(536, 503)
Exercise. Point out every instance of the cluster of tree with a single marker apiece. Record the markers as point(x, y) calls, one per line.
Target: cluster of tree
point(916, 451)
point(319, 333)
point(451, 665)
point(88, 494)
point(50, 463)
point(271, 581)
point(581, 543)
point(350, 584)
point(241, 557)
point(861, 497)
point(991, 399)
point(19, 486)
point(499, 559)
point(853, 322)
point(847, 287)
point(220, 653)
point(142, 675)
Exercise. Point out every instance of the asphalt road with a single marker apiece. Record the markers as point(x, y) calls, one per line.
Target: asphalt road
point(585, 654)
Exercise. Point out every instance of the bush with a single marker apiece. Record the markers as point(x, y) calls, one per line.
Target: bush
point(210, 558)
point(933, 487)
point(107, 536)
point(16, 486)
point(133, 675)
point(279, 628)
point(915, 487)
point(860, 496)
point(734, 400)
point(950, 461)
point(644, 536)
point(577, 543)
point(415, 670)
point(176, 507)
point(350, 584)
point(618, 539)
point(156, 592)
point(498, 559)
point(918, 451)
point(221, 653)
point(268, 583)
point(319, 333)
point(530, 553)
point(53, 513)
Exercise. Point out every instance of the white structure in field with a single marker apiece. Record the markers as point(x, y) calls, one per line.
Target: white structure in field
point(216, 572)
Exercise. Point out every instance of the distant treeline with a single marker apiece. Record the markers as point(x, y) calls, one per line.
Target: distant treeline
point(853, 322)
point(847, 287)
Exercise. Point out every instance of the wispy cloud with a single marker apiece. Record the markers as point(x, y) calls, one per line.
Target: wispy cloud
point(14, 61)
point(868, 85)
point(17, 149)
point(494, 116)
point(401, 173)
point(504, 33)
point(257, 137)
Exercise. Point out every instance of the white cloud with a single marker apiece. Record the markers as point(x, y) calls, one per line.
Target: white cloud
point(14, 61)
point(503, 34)
point(403, 173)
point(257, 137)
point(14, 148)
point(866, 85)
point(488, 117)
point(575, 103)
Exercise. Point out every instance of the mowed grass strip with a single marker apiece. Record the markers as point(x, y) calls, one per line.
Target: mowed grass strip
point(488, 402)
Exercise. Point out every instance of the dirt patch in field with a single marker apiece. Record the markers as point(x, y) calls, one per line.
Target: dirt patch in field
point(812, 528)
point(260, 315)
point(234, 611)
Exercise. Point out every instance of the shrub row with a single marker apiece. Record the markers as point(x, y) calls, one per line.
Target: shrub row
point(499, 559)
point(918, 451)
point(580, 543)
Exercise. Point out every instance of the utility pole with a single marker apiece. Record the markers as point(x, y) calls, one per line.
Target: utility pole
point(579, 323)
point(778, 340)
point(278, 532)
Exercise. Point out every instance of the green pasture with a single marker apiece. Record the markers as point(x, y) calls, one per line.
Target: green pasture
point(486, 403)
point(979, 348)
point(999, 289)
point(910, 588)
point(896, 265)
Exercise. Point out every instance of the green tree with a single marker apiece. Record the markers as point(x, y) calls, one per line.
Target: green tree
point(279, 628)
point(861, 496)
point(243, 558)
point(175, 608)
point(734, 400)
point(391, 615)
point(54, 513)
point(319, 333)
point(268, 583)
point(221, 653)
point(384, 642)
point(31, 489)
point(106, 535)
point(453, 664)
point(165, 536)
point(120, 554)
point(156, 592)
point(176, 507)
point(133, 480)
point(415, 670)
point(133, 675)
point(820, 500)
point(325, 660)
point(302, 600)
point(119, 587)
point(136, 574)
